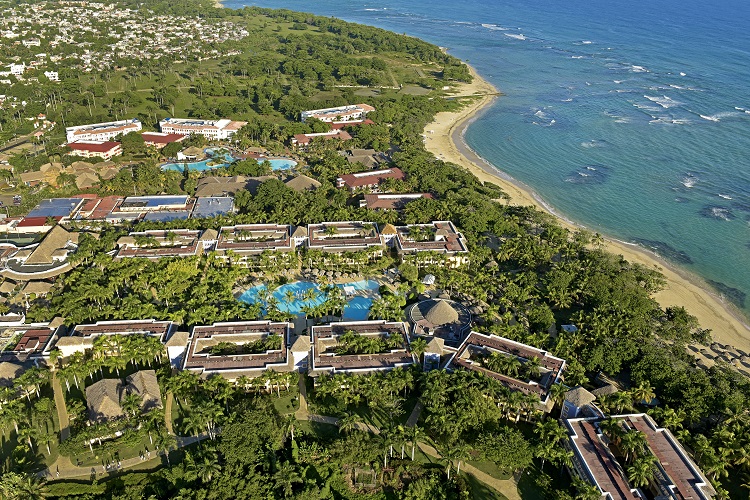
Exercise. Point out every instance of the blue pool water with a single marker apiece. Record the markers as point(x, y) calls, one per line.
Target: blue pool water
point(281, 163)
point(357, 308)
point(200, 166)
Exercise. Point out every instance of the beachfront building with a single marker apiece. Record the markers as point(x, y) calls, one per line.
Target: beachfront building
point(370, 179)
point(350, 236)
point(159, 243)
point(359, 347)
point(383, 201)
point(244, 348)
point(438, 242)
point(213, 130)
point(102, 131)
point(82, 336)
point(352, 112)
point(301, 141)
point(161, 139)
point(90, 149)
point(675, 474)
point(242, 244)
point(519, 367)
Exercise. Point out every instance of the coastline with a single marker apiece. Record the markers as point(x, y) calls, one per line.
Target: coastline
point(444, 138)
point(218, 4)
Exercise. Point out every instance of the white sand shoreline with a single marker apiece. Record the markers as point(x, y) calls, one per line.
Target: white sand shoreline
point(444, 137)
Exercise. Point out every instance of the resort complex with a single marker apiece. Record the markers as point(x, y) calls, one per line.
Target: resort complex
point(102, 131)
point(217, 130)
point(340, 114)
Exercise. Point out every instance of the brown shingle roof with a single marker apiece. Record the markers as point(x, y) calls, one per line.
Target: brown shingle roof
point(302, 183)
point(103, 399)
point(57, 239)
point(579, 396)
point(144, 384)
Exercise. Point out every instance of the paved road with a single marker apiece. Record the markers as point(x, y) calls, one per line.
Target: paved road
point(62, 410)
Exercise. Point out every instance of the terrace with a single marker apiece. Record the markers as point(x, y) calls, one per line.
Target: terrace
point(253, 239)
point(82, 336)
point(676, 475)
point(242, 348)
point(344, 236)
point(359, 347)
point(440, 237)
point(157, 244)
point(526, 368)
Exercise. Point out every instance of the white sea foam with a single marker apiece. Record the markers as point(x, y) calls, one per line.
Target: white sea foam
point(689, 181)
point(569, 99)
point(638, 69)
point(518, 36)
point(663, 101)
point(590, 144)
point(587, 42)
point(683, 74)
point(494, 27)
point(725, 196)
point(618, 81)
point(721, 213)
point(576, 57)
point(719, 116)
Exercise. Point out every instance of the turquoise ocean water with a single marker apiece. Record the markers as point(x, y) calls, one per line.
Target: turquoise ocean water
point(631, 117)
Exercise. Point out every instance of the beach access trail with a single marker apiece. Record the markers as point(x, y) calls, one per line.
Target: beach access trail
point(444, 138)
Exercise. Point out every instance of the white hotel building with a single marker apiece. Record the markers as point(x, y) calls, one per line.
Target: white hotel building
point(352, 112)
point(211, 129)
point(102, 131)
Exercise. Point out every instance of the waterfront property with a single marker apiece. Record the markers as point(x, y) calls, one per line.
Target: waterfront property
point(381, 201)
point(89, 149)
point(433, 243)
point(239, 348)
point(370, 179)
point(598, 460)
point(519, 367)
point(350, 236)
point(159, 243)
point(82, 336)
point(102, 131)
point(216, 130)
point(243, 242)
point(359, 347)
point(351, 112)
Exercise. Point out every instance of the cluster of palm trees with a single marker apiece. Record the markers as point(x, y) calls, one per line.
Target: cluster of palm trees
point(512, 366)
point(632, 444)
point(113, 352)
point(353, 343)
point(271, 342)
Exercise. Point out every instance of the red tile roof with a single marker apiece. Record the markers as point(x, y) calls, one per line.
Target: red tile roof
point(101, 147)
point(372, 177)
point(35, 221)
point(162, 138)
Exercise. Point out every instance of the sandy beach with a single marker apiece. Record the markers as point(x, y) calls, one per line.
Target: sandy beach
point(444, 138)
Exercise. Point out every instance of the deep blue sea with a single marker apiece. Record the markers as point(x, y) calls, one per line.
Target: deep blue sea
point(631, 117)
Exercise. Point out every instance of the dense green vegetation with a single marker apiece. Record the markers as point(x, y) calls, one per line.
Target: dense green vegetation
point(528, 274)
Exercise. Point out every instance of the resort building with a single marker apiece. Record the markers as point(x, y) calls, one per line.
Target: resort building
point(82, 336)
point(216, 130)
point(433, 243)
point(161, 139)
point(345, 237)
point(244, 242)
point(348, 113)
point(676, 476)
point(440, 318)
point(532, 370)
point(102, 131)
point(303, 140)
point(240, 348)
point(370, 179)
point(104, 398)
point(391, 201)
point(359, 347)
point(90, 149)
point(153, 203)
point(46, 259)
point(212, 206)
point(25, 342)
point(158, 243)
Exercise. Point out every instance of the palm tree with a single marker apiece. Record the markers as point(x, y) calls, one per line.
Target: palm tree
point(285, 478)
point(642, 471)
point(207, 467)
point(643, 393)
point(414, 434)
point(166, 442)
point(131, 404)
point(586, 490)
point(349, 423)
point(418, 347)
point(632, 443)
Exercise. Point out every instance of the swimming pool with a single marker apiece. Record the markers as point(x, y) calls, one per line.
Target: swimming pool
point(201, 166)
point(357, 307)
point(281, 163)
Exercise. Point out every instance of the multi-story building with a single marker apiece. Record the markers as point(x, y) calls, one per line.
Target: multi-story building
point(242, 243)
point(350, 236)
point(370, 179)
point(102, 131)
point(161, 139)
point(383, 201)
point(216, 130)
point(89, 149)
point(352, 112)
point(328, 342)
point(431, 243)
point(158, 243)
point(82, 336)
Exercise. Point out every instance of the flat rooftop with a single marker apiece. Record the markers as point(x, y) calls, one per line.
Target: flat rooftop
point(441, 236)
point(133, 203)
point(159, 243)
point(56, 207)
point(478, 345)
point(199, 357)
point(255, 238)
point(212, 206)
point(325, 338)
point(343, 235)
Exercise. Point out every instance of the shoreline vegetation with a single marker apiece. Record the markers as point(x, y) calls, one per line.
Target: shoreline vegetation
point(444, 137)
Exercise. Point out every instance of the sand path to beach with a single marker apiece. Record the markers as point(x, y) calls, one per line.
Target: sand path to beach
point(443, 138)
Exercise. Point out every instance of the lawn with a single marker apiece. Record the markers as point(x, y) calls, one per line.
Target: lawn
point(480, 491)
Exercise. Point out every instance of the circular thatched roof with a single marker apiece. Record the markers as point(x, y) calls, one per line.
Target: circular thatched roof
point(438, 312)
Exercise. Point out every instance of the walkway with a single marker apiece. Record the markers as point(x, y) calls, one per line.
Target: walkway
point(507, 487)
point(415, 413)
point(63, 468)
point(62, 410)
point(168, 413)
